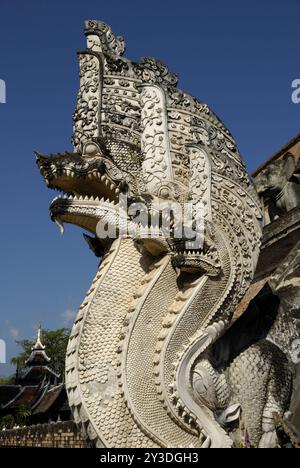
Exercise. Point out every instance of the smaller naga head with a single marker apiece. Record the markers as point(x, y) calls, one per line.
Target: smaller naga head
point(88, 180)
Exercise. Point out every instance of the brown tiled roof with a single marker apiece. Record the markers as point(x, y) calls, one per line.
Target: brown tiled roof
point(47, 400)
point(36, 373)
point(39, 399)
point(252, 292)
point(8, 393)
point(278, 154)
point(25, 397)
point(38, 358)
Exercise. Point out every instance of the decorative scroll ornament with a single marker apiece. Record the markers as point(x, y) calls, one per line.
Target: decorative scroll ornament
point(151, 70)
point(101, 38)
point(157, 163)
point(86, 117)
point(200, 179)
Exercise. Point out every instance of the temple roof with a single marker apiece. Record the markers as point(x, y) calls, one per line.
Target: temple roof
point(8, 393)
point(294, 142)
point(37, 370)
point(24, 396)
point(38, 356)
point(42, 401)
point(48, 399)
point(38, 387)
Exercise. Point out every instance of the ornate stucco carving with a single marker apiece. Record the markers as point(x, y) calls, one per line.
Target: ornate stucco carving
point(157, 162)
point(87, 115)
point(100, 38)
point(139, 372)
point(278, 185)
point(200, 179)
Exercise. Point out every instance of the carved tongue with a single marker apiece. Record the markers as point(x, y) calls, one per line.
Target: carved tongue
point(60, 225)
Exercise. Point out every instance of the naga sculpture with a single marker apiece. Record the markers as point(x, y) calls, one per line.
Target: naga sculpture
point(279, 186)
point(139, 371)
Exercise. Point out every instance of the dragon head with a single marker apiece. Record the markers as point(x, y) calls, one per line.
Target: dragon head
point(137, 136)
point(153, 163)
point(97, 175)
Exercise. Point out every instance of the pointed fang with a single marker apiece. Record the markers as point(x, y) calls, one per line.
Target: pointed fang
point(60, 225)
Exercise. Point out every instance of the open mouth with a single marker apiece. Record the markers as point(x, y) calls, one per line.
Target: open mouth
point(204, 259)
point(91, 189)
point(78, 210)
point(75, 175)
point(85, 184)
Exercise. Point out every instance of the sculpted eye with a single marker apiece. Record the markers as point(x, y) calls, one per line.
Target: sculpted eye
point(91, 150)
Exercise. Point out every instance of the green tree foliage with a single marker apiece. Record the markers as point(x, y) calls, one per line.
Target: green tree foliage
point(22, 415)
point(55, 341)
point(7, 380)
point(7, 422)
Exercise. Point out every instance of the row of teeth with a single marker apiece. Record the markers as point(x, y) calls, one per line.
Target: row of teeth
point(197, 253)
point(193, 252)
point(86, 198)
point(157, 222)
point(90, 176)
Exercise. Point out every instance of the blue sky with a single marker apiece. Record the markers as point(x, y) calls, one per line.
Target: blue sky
point(239, 57)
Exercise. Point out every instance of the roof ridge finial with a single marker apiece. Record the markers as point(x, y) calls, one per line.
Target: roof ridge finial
point(38, 344)
point(38, 355)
